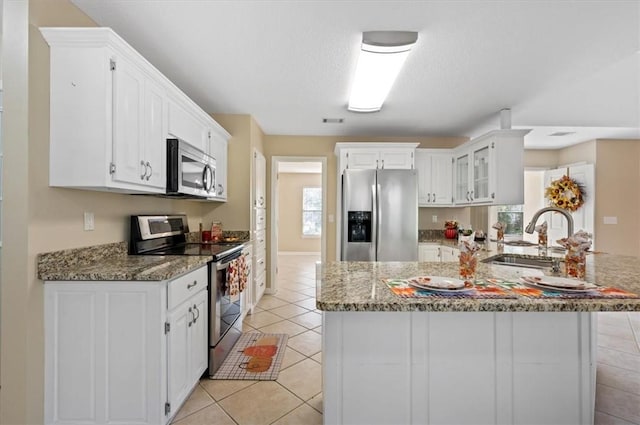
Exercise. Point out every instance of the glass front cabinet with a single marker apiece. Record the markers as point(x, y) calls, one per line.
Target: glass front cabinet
point(489, 169)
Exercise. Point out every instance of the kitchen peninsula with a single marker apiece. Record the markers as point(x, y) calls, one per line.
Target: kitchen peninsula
point(455, 360)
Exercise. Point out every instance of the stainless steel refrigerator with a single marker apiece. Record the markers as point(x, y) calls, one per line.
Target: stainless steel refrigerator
point(379, 215)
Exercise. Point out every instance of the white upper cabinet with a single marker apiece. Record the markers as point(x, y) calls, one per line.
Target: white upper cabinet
point(435, 177)
point(490, 169)
point(218, 149)
point(371, 156)
point(111, 112)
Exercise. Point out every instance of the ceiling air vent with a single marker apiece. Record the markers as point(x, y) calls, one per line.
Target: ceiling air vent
point(562, 133)
point(333, 120)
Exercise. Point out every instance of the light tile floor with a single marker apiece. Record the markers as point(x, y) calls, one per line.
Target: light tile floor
point(618, 376)
point(296, 397)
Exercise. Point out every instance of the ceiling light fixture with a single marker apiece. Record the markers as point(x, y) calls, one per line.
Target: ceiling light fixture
point(381, 56)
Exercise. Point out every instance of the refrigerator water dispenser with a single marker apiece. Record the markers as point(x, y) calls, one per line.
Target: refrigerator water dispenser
point(359, 226)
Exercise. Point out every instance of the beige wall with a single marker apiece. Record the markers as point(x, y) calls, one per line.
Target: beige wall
point(425, 216)
point(582, 152)
point(617, 195)
point(290, 237)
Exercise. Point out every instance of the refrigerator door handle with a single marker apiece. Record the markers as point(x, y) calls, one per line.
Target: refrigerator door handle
point(373, 253)
point(378, 221)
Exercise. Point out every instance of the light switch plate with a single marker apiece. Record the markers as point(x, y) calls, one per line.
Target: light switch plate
point(89, 221)
point(434, 218)
point(610, 220)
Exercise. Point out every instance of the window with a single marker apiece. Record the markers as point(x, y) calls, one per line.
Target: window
point(511, 216)
point(311, 211)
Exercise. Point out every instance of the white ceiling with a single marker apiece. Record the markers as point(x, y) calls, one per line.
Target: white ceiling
point(559, 65)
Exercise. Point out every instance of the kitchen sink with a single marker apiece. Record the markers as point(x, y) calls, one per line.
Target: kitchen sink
point(523, 261)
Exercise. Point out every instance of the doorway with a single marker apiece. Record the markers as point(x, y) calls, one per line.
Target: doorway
point(298, 211)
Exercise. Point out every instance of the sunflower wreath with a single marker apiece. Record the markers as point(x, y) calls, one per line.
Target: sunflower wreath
point(565, 193)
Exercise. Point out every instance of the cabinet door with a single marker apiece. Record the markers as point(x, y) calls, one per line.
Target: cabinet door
point(186, 125)
point(155, 143)
point(363, 159)
point(462, 190)
point(128, 127)
point(448, 254)
point(396, 159)
point(178, 355)
point(219, 152)
point(480, 191)
point(423, 167)
point(198, 345)
point(441, 179)
point(428, 252)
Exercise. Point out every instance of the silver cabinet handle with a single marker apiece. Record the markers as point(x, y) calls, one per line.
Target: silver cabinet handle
point(190, 321)
point(195, 319)
point(468, 199)
point(428, 197)
point(472, 195)
point(150, 170)
point(377, 163)
point(220, 189)
point(142, 164)
point(433, 197)
point(383, 164)
point(261, 202)
point(191, 285)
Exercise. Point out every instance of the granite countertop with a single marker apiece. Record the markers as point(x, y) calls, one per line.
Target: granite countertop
point(110, 262)
point(358, 286)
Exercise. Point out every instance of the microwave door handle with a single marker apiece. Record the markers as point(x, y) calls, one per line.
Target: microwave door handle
point(206, 177)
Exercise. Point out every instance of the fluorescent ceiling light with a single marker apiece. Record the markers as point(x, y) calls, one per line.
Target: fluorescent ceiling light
point(381, 56)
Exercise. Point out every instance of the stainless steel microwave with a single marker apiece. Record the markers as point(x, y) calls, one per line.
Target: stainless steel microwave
point(191, 173)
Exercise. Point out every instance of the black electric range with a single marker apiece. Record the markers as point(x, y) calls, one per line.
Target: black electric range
point(167, 235)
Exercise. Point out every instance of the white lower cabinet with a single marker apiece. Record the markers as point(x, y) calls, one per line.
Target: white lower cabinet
point(430, 252)
point(449, 254)
point(116, 352)
point(186, 348)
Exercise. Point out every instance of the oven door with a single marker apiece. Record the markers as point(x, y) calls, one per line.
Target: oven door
point(225, 313)
point(189, 170)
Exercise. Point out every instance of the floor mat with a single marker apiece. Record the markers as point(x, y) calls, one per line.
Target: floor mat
point(255, 356)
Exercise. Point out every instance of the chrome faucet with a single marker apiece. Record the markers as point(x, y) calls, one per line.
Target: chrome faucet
point(531, 226)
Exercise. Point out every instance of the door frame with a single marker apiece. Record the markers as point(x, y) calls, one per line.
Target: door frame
point(273, 236)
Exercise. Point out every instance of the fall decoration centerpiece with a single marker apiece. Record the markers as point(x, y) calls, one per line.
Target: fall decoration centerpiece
point(565, 193)
point(450, 229)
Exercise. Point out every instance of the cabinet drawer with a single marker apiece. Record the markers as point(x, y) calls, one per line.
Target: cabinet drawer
point(261, 263)
point(183, 287)
point(261, 218)
point(260, 242)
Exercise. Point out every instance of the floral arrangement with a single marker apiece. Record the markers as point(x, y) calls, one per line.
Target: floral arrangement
point(565, 193)
point(451, 224)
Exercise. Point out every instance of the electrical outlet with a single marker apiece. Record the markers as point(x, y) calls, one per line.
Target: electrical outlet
point(331, 218)
point(89, 221)
point(434, 218)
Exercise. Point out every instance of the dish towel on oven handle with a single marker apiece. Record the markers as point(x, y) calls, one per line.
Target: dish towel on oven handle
point(233, 281)
point(243, 272)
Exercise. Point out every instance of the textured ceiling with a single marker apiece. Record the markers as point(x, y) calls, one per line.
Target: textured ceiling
point(560, 66)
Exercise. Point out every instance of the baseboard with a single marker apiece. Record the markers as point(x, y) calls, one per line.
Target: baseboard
point(298, 253)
